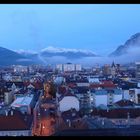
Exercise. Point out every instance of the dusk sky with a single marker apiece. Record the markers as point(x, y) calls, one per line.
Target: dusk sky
point(96, 27)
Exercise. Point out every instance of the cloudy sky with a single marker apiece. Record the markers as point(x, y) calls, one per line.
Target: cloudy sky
point(96, 27)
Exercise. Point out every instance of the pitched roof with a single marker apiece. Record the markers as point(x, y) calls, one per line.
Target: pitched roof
point(124, 102)
point(117, 113)
point(16, 122)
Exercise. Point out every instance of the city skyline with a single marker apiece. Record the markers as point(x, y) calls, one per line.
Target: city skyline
point(96, 27)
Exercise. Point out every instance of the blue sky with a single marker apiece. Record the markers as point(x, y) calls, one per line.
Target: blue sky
point(96, 27)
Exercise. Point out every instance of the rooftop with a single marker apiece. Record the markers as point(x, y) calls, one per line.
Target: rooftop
point(17, 121)
point(22, 101)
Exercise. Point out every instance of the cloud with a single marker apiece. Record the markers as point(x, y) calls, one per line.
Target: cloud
point(60, 50)
point(23, 60)
point(22, 51)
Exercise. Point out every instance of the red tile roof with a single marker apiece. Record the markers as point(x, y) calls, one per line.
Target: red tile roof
point(16, 122)
point(104, 84)
point(123, 103)
point(117, 113)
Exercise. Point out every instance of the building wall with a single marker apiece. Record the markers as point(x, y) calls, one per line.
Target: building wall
point(78, 67)
point(100, 99)
point(8, 97)
point(138, 71)
point(69, 67)
point(69, 102)
point(83, 84)
point(16, 133)
point(117, 97)
point(59, 67)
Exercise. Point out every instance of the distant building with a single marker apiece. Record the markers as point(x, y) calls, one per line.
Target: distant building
point(113, 69)
point(20, 68)
point(132, 94)
point(68, 67)
point(8, 97)
point(138, 71)
point(78, 67)
point(106, 70)
point(2, 91)
point(59, 67)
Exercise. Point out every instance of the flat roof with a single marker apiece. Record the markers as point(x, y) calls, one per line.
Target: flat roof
point(22, 101)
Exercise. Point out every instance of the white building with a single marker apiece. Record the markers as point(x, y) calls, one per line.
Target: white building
point(58, 80)
point(93, 79)
point(78, 67)
point(7, 77)
point(68, 102)
point(59, 67)
point(8, 97)
point(20, 68)
point(23, 104)
point(69, 67)
point(83, 84)
point(104, 97)
point(132, 95)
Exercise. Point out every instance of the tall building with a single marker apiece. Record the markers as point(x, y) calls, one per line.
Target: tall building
point(138, 71)
point(78, 67)
point(59, 67)
point(20, 68)
point(68, 67)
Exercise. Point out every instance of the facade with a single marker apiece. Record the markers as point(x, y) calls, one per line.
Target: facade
point(59, 67)
point(68, 102)
point(138, 71)
point(105, 97)
point(132, 95)
point(23, 104)
point(68, 67)
point(78, 67)
point(106, 70)
point(20, 68)
point(8, 97)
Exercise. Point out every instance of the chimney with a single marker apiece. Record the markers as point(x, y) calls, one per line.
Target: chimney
point(12, 112)
point(103, 122)
point(69, 123)
point(6, 112)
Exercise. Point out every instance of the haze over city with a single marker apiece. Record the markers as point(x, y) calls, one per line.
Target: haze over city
point(96, 27)
point(69, 70)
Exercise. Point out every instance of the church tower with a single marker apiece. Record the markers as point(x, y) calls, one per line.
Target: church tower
point(113, 69)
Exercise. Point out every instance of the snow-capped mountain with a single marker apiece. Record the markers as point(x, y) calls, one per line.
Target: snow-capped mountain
point(68, 53)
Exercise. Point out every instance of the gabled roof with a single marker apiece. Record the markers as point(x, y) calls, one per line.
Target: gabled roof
point(16, 122)
point(124, 103)
point(117, 113)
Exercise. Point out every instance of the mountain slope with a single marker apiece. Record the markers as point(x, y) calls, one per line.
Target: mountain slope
point(9, 57)
point(131, 46)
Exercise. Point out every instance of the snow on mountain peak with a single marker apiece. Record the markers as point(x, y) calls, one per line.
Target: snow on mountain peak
point(65, 50)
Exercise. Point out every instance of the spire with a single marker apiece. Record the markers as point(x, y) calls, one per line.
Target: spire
point(113, 64)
